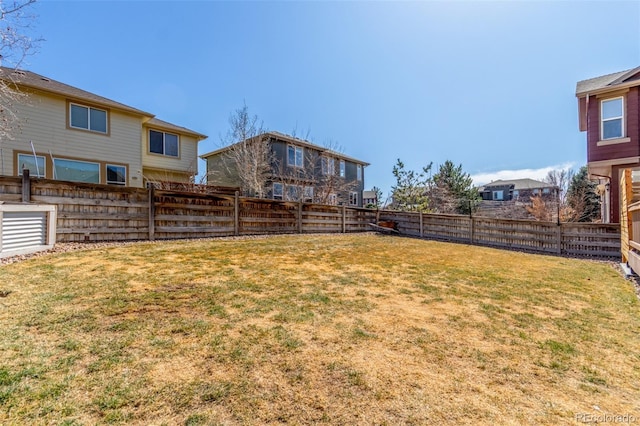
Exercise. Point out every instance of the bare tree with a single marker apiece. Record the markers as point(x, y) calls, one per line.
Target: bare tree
point(561, 179)
point(332, 182)
point(321, 177)
point(540, 209)
point(250, 157)
point(15, 45)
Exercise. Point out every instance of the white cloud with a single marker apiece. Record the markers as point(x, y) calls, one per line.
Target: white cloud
point(537, 174)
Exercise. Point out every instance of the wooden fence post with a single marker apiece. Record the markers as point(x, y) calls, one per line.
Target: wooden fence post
point(472, 230)
point(236, 214)
point(559, 238)
point(26, 186)
point(421, 224)
point(344, 219)
point(152, 212)
point(300, 206)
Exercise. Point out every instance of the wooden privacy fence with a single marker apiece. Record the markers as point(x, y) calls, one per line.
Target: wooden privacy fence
point(629, 222)
point(92, 212)
point(590, 240)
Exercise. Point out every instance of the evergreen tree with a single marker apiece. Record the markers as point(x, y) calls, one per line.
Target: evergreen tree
point(452, 190)
point(410, 191)
point(582, 197)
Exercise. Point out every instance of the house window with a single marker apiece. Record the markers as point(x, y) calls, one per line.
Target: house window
point(294, 156)
point(87, 118)
point(77, 171)
point(333, 199)
point(116, 175)
point(328, 166)
point(293, 192)
point(163, 143)
point(536, 191)
point(353, 198)
point(342, 168)
point(516, 194)
point(498, 195)
point(277, 191)
point(36, 165)
point(612, 118)
point(359, 172)
point(546, 191)
point(308, 194)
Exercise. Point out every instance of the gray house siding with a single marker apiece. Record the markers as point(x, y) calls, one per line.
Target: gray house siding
point(221, 171)
point(310, 175)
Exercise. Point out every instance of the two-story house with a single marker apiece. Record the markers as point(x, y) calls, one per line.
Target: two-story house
point(67, 133)
point(299, 171)
point(608, 108)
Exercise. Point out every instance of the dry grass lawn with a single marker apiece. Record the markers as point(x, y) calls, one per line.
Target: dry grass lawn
point(335, 329)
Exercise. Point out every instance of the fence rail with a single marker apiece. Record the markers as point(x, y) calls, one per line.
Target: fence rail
point(92, 212)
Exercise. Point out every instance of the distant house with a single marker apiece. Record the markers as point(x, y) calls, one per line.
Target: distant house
point(517, 189)
point(300, 171)
point(609, 111)
point(369, 198)
point(70, 134)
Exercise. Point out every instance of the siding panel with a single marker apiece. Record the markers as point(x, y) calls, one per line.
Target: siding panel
point(185, 163)
point(45, 123)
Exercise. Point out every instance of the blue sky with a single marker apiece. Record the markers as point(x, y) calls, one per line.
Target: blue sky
point(489, 85)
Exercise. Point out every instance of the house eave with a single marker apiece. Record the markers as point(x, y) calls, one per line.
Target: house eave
point(608, 89)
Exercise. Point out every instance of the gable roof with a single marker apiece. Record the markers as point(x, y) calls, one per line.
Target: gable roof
point(40, 82)
point(295, 141)
point(165, 125)
point(519, 184)
point(35, 81)
point(608, 82)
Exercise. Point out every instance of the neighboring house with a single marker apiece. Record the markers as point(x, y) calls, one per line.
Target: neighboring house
point(517, 189)
point(300, 171)
point(369, 198)
point(80, 136)
point(608, 108)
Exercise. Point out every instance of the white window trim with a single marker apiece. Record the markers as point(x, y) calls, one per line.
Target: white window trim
point(602, 119)
point(77, 161)
point(343, 168)
point(295, 156)
point(40, 173)
point(330, 164)
point(359, 172)
point(307, 194)
point(298, 192)
point(273, 191)
point(115, 182)
point(88, 128)
point(353, 198)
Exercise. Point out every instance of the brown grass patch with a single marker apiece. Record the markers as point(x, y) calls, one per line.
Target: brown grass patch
point(344, 329)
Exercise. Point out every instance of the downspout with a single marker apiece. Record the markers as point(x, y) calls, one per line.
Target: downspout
point(605, 202)
point(587, 125)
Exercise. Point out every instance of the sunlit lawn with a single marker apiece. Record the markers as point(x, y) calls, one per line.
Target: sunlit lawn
point(339, 329)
